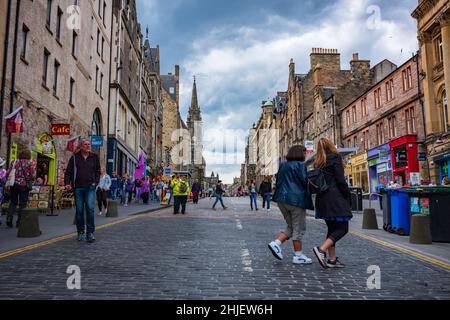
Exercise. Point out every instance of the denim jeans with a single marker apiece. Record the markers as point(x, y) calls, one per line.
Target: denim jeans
point(85, 197)
point(218, 198)
point(266, 198)
point(253, 197)
point(114, 193)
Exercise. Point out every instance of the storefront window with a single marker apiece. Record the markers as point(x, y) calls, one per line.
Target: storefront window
point(401, 157)
point(445, 111)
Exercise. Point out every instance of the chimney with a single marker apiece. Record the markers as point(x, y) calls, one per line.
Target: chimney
point(177, 77)
point(360, 69)
point(328, 59)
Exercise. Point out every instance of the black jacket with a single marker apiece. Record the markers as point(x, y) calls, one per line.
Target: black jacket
point(196, 187)
point(265, 187)
point(87, 171)
point(336, 201)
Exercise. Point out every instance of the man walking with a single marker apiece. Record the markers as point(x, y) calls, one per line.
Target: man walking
point(181, 190)
point(196, 189)
point(114, 185)
point(82, 176)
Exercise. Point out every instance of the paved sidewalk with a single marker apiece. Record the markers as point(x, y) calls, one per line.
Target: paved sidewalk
point(57, 226)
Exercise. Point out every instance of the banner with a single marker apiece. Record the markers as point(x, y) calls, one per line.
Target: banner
point(14, 121)
point(72, 144)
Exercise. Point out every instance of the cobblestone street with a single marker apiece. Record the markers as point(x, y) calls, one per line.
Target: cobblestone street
point(213, 255)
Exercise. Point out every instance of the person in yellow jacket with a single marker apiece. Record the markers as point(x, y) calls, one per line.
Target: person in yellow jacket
point(181, 191)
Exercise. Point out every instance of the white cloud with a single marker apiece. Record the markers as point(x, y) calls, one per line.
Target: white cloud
point(246, 64)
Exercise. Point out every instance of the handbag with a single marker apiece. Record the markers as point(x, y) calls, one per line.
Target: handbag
point(317, 184)
point(11, 177)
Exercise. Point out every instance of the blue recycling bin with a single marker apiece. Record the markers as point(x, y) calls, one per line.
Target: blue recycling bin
point(400, 211)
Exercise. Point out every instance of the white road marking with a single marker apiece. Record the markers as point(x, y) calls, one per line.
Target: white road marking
point(246, 258)
point(239, 224)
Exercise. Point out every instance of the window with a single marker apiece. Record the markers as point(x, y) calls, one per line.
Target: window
point(349, 143)
point(100, 8)
point(24, 43)
point(380, 134)
point(377, 95)
point(407, 79)
point(348, 118)
point(72, 91)
point(98, 41)
point(55, 77)
point(58, 24)
point(445, 111)
point(355, 141)
point(103, 45)
point(49, 13)
point(390, 90)
point(104, 13)
point(74, 44)
point(364, 107)
point(439, 49)
point(101, 85)
point(392, 127)
point(410, 120)
point(45, 67)
point(96, 79)
point(354, 114)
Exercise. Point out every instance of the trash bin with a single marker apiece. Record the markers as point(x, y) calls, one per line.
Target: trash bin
point(434, 201)
point(400, 211)
point(386, 206)
point(357, 198)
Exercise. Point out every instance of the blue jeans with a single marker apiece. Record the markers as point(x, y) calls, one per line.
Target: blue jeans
point(114, 193)
point(266, 198)
point(218, 198)
point(253, 197)
point(85, 197)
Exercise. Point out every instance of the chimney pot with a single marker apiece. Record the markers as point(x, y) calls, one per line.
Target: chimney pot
point(355, 57)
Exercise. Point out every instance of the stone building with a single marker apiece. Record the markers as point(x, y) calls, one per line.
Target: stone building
point(3, 17)
point(433, 17)
point(333, 89)
point(385, 123)
point(60, 71)
point(125, 90)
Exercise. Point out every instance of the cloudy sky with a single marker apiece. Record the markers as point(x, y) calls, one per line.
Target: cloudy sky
point(240, 52)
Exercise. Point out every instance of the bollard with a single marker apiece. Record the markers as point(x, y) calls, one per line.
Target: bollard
point(112, 209)
point(370, 220)
point(29, 224)
point(420, 229)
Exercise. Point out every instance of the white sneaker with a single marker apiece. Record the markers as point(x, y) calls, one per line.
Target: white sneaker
point(276, 250)
point(100, 213)
point(301, 259)
point(106, 211)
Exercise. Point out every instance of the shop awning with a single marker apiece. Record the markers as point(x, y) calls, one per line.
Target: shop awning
point(442, 157)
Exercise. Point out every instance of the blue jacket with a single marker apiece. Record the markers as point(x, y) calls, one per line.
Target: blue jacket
point(291, 185)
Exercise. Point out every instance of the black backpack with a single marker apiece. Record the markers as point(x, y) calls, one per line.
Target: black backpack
point(183, 187)
point(316, 182)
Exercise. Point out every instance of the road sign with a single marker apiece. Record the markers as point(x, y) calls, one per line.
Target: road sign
point(168, 171)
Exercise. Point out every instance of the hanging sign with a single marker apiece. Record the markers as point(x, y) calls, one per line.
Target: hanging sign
point(61, 129)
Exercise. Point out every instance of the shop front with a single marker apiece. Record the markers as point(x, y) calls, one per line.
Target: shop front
point(405, 162)
point(360, 172)
point(380, 166)
point(443, 162)
point(44, 154)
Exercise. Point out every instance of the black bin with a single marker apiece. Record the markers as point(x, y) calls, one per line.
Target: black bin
point(357, 198)
point(386, 206)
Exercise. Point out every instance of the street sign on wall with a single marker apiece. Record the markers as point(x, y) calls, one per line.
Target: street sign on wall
point(97, 141)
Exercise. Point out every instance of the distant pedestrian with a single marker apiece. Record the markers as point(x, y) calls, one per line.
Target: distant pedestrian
point(196, 189)
point(138, 186)
point(218, 194)
point(159, 188)
point(114, 185)
point(145, 190)
point(2, 184)
point(21, 174)
point(102, 192)
point(333, 206)
point(265, 190)
point(181, 191)
point(82, 176)
point(293, 200)
point(253, 194)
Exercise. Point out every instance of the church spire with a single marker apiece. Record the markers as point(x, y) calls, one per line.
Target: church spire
point(194, 109)
point(194, 101)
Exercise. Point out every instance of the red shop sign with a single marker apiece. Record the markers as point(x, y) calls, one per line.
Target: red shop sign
point(61, 129)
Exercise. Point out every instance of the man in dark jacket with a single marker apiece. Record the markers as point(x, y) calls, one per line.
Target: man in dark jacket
point(265, 190)
point(82, 176)
point(196, 189)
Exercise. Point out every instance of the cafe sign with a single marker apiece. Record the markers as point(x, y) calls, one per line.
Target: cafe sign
point(61, 129)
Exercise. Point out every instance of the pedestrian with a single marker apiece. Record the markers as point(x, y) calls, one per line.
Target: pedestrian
point(138, 186)
point(218, 194)
point(102, 191)
point(196, 189)
point(114, 185)
point(181, 190)
point(446, 181)
point(82, 176)
point(128, 190)
point(293, 199)
point(159, 187)
point(265, 190)
point(19, 179)
point(253, 194)
point(145, 190)
point(2, 184)
point(334, 205)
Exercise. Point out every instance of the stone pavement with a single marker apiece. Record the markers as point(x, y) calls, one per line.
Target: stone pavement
point(213, 255)
point(56, 226)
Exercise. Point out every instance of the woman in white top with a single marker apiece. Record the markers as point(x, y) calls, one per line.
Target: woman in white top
point(102, 191)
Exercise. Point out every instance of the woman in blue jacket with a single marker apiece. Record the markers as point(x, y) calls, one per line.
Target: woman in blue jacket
point(293, 200)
